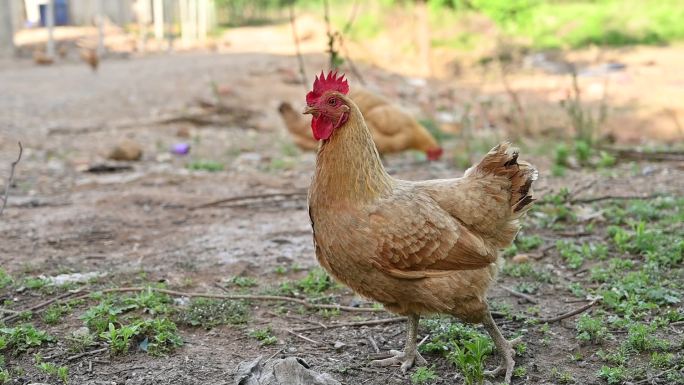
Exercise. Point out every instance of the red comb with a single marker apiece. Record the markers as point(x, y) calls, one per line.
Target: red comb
point(323, 84)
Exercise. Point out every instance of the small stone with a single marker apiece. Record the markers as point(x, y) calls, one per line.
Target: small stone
point(127, 150)
point(339, 345)
point(521, 258)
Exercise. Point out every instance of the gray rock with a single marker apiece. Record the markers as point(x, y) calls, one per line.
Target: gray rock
point(288, 371)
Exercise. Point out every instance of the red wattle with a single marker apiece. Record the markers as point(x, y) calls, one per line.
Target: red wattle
point(322, 127)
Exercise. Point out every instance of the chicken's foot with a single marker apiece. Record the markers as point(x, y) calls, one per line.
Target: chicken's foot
point(504, 347)
point(410, 355)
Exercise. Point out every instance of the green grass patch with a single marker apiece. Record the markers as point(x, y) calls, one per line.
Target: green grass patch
point(209, 313)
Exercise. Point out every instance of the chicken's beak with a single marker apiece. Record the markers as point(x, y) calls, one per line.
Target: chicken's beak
point(310, 110)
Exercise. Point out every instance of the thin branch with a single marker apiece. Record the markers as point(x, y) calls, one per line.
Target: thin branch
point(295, 37)
point(373, 343)
point(306, 304)
point(570, 313)
point(8, 311)
point(520, 295)
point(352, 17)
point(331, 36)
point(241, 198)
point(654, 156)
point(96, 351)
point(41, 305)
point(359, 323)
point(613, 197)
point(303, 337)
point(10, 180)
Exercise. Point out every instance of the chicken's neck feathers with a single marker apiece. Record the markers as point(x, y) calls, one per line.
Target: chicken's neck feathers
point(348, 166)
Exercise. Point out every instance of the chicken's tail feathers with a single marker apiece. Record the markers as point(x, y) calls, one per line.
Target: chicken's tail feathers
point(502, 160)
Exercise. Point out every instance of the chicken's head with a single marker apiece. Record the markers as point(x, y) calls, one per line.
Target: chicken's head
point(324, 103)
point(434, 153)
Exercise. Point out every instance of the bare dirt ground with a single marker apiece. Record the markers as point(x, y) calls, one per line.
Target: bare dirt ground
point(142, 225)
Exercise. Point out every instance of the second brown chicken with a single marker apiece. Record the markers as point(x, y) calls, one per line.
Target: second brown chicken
point(393, 130)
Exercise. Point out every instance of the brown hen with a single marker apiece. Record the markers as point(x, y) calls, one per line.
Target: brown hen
point(416, 247)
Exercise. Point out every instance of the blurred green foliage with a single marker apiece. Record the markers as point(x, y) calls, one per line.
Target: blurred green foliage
point(543, 24)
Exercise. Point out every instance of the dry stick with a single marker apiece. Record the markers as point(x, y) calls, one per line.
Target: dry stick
point(10, 180)
point(651, 379)
point(295, 194)
point(8, 311)
point(570, 313)
point(373, 343)
point(613, 197)
point(41, 305)
point(302, 319)
point(236, 296)
point(331, 36)
point(520, 295)
point(352, 17)
point(96, 351)
point(295, 36)
point(303, 337)
point(359, 323)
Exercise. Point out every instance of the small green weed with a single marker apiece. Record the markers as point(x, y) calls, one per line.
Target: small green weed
point(591, 329)
point(54, 313)
point(423, 375)
point(5, 279)
point(23, 337)
point(525, 270)
point(264, 336)
point(613, 375)
point(119, 339)
point(464, 346)
point(640, 338)
point(52, 370)
point(562, 377)
point(242, 281)
point(205, 165)
point(209, 313)
point(662, 360)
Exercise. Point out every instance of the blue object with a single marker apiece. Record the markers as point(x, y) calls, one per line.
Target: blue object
point(61, 13)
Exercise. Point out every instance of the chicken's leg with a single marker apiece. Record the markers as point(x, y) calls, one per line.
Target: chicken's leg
point(410, 354)
point(504, 348)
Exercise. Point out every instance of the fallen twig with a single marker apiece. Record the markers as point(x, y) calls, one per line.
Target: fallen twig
point(96, 351)
point(613, 197)
point(570, 313)
point(305, 338)
point(358, 323)
point(373, 343)
point(8, 311)
point(655, 156)
point(87, 294)
point(652, 379)
point(255, 197)
point(40, 305)
point(520, 295)
point(10, 180)
point(302, 319)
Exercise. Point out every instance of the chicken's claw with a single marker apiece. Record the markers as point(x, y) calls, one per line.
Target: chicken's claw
point(507, 361)
point(406, 359)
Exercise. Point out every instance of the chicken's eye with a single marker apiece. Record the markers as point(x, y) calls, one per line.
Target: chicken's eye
point(332, 101)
